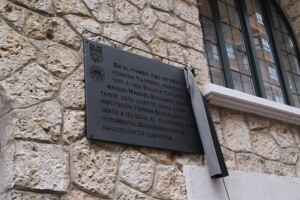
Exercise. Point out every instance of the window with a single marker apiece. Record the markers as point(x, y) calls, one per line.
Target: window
point(251, 49)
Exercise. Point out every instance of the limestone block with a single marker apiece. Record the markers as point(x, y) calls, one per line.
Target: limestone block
point(124, 192)
point(235, 130)
point(94, 167)
point(296, 134)
point(159, 47)
point(145, 34)
point(102, 10)
point(197, 60)
point(118, 32)
point(75, 194)
point(250, 163)
point(158, 155)
point(280, 169)
point(175, 52)
point(82, 23)
point(39, 167)
point(41, 122)
point(188, 159)
point(166, 5)
point(194, 37)
point(126, 13)
point(189, 13)
point(43, 6)
point(215, 114)
point(136, 170)
point(282, 135)
point(57, 58)
point(292, 10)
point(15, 51)
point(72, 90)
point(149, 18)
point(229, 158)
point(55, 29)
point(70, 7)
point(139, 44)
point(139, 3)
point(264, 145)
point(257, 123)
point(170, 183)
point(289, 156)
point(20, 195)
point(169, 33)
point(219, 131)
point(30, 86)
point(170, 19)
point(15, 15)
point(74, 125)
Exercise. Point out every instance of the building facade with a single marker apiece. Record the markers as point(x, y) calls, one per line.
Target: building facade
point(44, 151)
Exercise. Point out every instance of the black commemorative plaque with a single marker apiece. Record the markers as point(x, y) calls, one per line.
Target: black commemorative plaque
point(135, 100)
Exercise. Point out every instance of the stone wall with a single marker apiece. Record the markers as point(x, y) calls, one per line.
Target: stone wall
point(44, 153)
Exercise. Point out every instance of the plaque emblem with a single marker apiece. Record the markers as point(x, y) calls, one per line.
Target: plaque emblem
point(96, 53)
point(97, 73)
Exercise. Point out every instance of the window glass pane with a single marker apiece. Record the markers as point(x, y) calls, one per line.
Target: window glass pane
point(237, 81)
point(223, 12)
point(296, 100)
point(243, 62)
point(264, 51)
point(217, 77)
point(292, 83)
point(205, 8)
point(208, 29)
point(247, 84)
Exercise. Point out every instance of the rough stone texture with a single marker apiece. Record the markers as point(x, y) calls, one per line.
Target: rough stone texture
point(229, 158)
point(280, 169)
point(235, 131)
point(41, 122)
point(118, 32)
point(57, 58)
point(188, 159)
point(170, 19)
point(290, 155)
point(102, 10)
point(94, 167)
point(175, 52)
point(77, 194)
point(149, 19)
point(15, 15)
point(215, 114)
point(43, 6)
point(187, 12)
point(282, 135)
point(194, 37)
point(31, 85)
point(124, 192)
point(39, 166)
point(161, 156)
point(15, 51)
point(136, 170)
point(257, 123)
point(20, 195)
point(139, 3)
point(126, 13)
point(72, 90)
point(139, 44)
point(264, 145)
point(70, 7)
point(145, 34)
point(250, 163)
point(165, 5)
point(82, 23)
point(74, 125)
point(55, 29)
point(169, 183)
point(159, 47)
point(169, 33)
point(296, 134)
point(218, 128)
point(298, 168)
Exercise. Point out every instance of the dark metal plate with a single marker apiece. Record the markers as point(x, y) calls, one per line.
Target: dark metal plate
point(135, 100)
